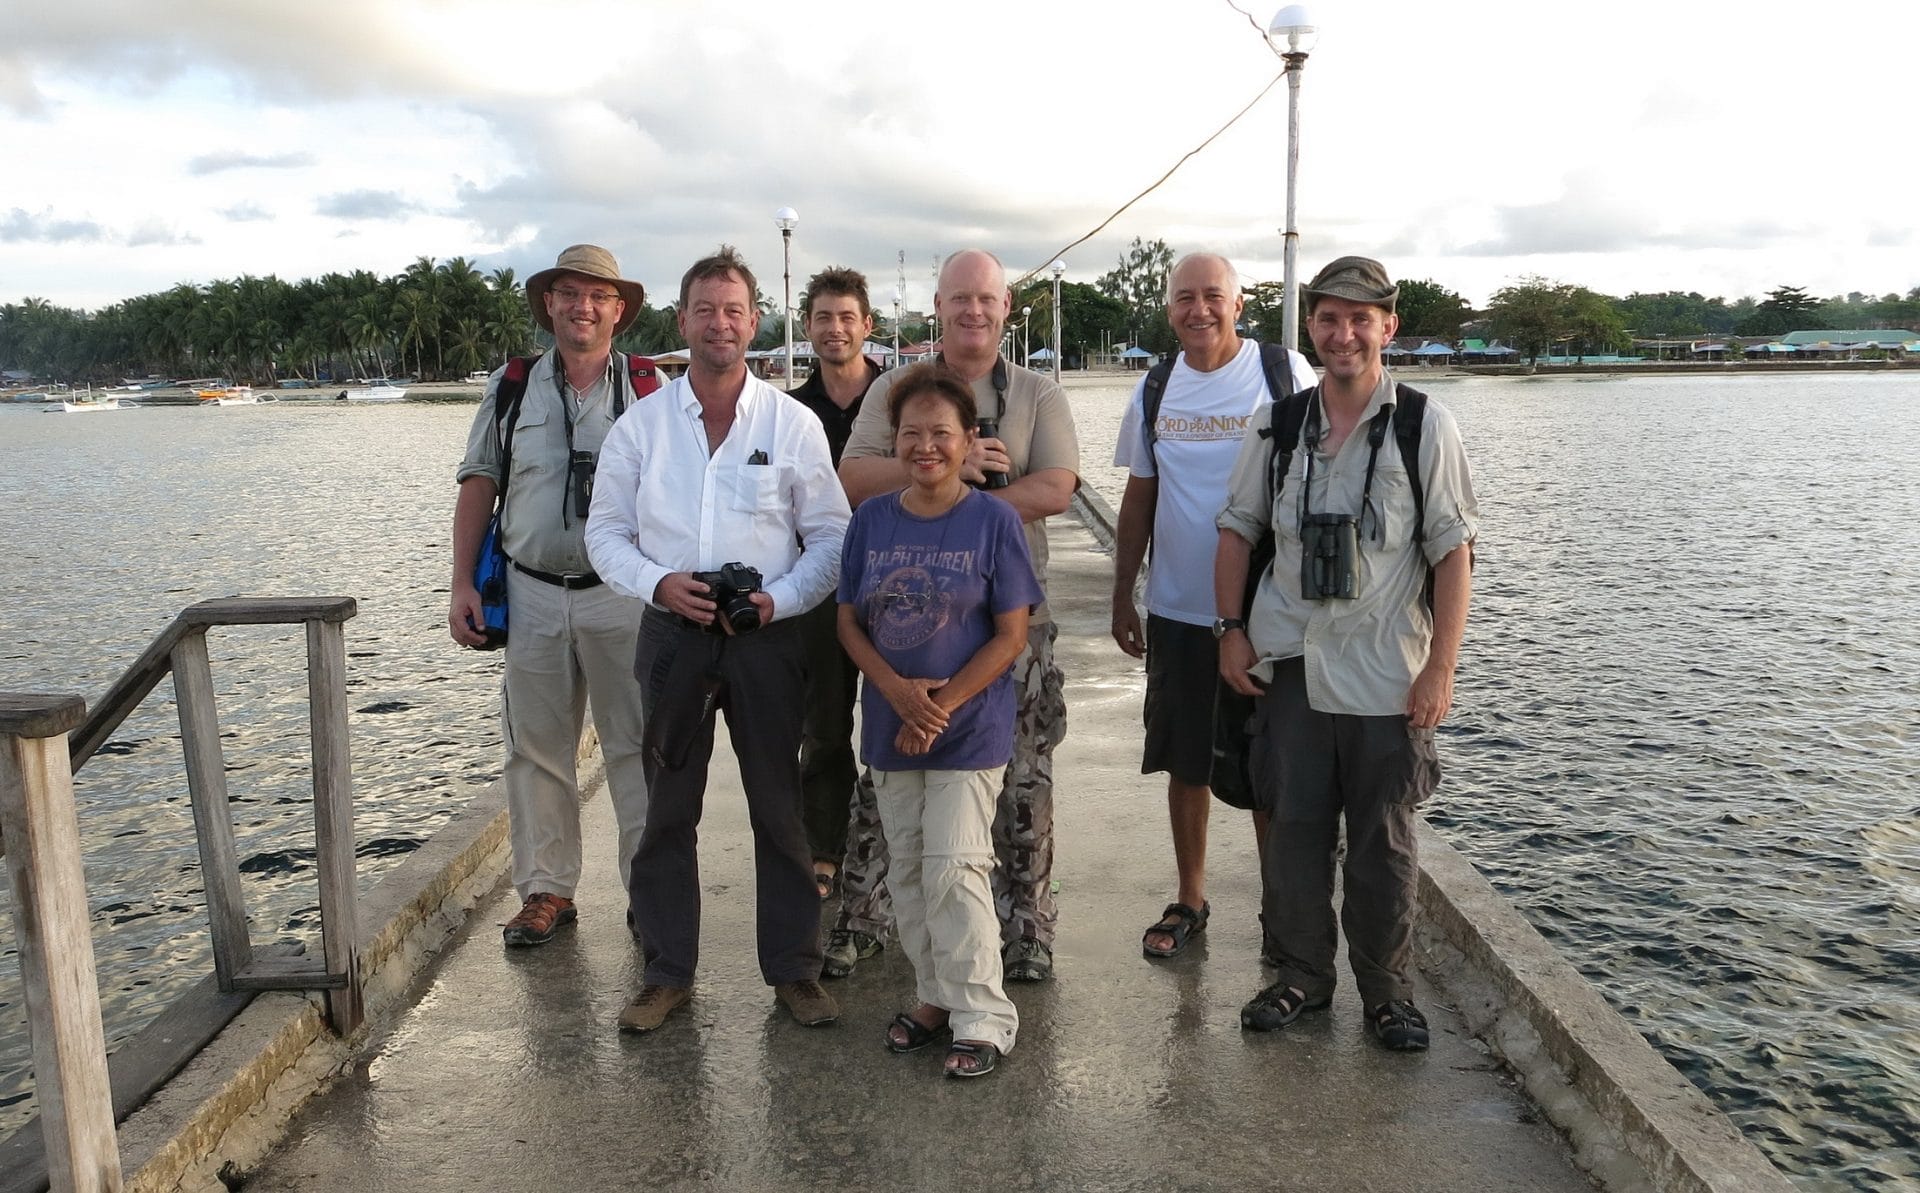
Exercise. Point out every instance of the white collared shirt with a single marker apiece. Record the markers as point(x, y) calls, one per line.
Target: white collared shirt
point(662, 504)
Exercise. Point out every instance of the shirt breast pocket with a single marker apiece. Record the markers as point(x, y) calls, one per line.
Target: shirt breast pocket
point(530, 455)
point(1390, 511)
point(754, 489)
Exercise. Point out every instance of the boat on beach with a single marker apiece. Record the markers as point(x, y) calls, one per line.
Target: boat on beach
point(232, 395)
point(378, 389)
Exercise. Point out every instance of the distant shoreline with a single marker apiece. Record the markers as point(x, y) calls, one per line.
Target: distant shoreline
point(1088, 378)
point(1074, 378)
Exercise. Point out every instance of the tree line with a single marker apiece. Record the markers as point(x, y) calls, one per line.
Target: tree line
point(432, 320)
point(437, 320)
point(1535, 315)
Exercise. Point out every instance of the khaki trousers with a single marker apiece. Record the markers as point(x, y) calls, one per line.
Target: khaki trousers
point(939, 836)
point(567, 650)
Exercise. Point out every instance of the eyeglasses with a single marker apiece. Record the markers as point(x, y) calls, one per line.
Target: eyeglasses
point(569, 295)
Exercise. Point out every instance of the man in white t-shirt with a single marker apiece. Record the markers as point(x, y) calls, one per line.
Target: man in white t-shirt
point(1176, 486)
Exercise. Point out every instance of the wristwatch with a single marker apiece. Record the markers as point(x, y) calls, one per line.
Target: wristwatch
point(1222, 624)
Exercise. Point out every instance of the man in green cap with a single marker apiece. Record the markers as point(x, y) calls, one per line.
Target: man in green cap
point(1351, 665)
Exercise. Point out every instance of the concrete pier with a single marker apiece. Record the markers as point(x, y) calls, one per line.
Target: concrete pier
point(484, 1068)
point(508, 1073)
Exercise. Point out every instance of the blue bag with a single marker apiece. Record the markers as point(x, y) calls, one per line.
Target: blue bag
point(490, 581)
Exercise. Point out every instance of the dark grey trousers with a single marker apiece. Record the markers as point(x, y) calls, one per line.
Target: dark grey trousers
point(761, 688)
point(1310, 769)
point(827, 770)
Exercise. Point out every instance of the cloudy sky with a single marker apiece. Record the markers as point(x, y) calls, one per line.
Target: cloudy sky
point(1687, 144)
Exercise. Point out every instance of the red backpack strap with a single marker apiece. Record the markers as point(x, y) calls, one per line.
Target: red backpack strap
point(642, 375)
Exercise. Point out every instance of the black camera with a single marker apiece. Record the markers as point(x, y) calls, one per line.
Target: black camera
point(1330, 557)
point(580, 473)
point(732, 588)
point(987, 428)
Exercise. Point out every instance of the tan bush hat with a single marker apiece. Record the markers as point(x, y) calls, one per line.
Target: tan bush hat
point(1356, 279)
point(592, 261)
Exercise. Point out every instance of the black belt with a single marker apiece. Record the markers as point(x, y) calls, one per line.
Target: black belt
point(590, 580)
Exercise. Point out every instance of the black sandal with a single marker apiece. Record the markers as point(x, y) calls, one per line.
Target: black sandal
point(918, 1034)
point(1277, 1006)
point(984, 1057)
point(1399, 1025)
point(1186, 922)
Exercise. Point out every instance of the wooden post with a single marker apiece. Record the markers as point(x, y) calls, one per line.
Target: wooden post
point(333, 818)
point(56, 942)
point(213, 822)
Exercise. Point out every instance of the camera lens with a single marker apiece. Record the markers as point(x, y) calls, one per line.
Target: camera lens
point(987, 428)
point(743, 616)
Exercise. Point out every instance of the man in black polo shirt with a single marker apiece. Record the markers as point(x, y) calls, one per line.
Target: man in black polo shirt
point(839, 318)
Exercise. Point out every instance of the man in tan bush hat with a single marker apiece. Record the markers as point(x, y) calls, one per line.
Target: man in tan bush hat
point(571, 638)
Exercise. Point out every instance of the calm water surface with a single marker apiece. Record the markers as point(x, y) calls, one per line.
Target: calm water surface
point(1684, 744)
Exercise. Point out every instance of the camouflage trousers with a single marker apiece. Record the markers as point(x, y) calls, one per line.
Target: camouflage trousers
point(1022, 822)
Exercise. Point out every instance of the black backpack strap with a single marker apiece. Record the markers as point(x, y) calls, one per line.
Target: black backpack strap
point(1277, 363)
point(1409, 413)
point(507, 398)
point(1155, 388)
point(1289, 414)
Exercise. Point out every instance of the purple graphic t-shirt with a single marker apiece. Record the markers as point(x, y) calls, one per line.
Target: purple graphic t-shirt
point(927, 590)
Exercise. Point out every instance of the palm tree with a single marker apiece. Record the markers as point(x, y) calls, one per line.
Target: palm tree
point(469, 345)
point(417, 318)
point(367, 332)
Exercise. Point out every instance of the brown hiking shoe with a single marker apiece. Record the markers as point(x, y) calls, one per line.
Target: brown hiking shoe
point(811, 1005)
point(650, 1008)
point(540, 917)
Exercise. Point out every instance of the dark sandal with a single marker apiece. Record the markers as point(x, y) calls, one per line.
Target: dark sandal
point(918, 1034)
point(1400, 1026)
point(984, 1057)
point(1277, 1006)
point(824, 883)
point(1186, 922)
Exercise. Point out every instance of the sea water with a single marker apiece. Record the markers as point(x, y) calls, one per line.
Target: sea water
point(1684, 737)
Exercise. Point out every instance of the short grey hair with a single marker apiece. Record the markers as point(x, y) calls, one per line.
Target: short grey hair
point(1233, 275)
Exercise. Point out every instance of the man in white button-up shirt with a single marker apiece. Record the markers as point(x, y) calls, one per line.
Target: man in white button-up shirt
point(720, 468)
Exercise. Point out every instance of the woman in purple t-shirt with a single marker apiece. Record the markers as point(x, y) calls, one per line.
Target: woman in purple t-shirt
point(935, 588)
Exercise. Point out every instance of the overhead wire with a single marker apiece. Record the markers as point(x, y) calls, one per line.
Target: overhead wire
point(1028, 276)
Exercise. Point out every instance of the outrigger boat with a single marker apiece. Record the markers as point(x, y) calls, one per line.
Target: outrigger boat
point(86, 405)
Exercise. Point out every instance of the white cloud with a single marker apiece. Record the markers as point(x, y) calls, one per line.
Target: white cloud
point(46, 228)
point(214, 163)
point(366, 205)
point(1468, 144)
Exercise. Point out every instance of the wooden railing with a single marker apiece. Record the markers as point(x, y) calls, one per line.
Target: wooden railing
point(44, 740)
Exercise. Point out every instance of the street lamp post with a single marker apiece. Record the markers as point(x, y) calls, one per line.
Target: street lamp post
point(787, 218)
point(1059, 268)
point(896, 324)
point(1026, 313)
point(1293, 24)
